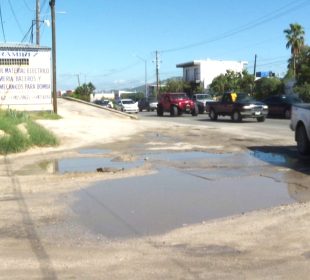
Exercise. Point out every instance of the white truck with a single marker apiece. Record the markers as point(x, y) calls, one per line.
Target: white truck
point(300, 123)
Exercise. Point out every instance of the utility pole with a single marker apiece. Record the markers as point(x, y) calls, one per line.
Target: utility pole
point(157, 72)
point(254, 74)
point(38, 22)
point(78, 78)
point(54, 93)
point(255, 66)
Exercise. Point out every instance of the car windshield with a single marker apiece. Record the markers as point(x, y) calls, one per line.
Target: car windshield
point(128, 102)
point(105, 102)
point(203, 96)
point(244, 97)
point(178, 96)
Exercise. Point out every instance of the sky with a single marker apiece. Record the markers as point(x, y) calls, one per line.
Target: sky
point(110, 42)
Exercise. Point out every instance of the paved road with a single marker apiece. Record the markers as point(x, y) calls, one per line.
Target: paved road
point(280, 127)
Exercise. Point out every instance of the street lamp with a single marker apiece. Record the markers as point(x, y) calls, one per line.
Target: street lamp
point(145, 73)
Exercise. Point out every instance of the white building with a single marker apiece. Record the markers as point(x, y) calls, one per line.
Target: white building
point(204, 71)
point(98, 95)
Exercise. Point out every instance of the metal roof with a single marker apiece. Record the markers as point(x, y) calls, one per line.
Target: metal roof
point(26, 47)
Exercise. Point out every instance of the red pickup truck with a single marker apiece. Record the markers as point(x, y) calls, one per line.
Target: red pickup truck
point(176, 103)
point(238, 106)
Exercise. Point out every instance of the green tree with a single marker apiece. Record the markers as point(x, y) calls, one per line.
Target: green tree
point(295, 40)
point(218, 85)
point(174, 85)
point(84, 91)
point(303, 74)
point(268, 86)
point(134, 96)
point(303, 66)
point(232, 81)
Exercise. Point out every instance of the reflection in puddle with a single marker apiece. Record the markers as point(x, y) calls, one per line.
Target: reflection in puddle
point(171, 198)
point(274, 158)
point(90, 164)
point(84, 164)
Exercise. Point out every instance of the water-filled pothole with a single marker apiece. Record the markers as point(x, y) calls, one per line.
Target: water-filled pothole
point(157, 203)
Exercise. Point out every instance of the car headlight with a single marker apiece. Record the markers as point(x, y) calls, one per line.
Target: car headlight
point(247, 107)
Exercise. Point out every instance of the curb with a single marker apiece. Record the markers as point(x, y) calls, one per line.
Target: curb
point(134, 117)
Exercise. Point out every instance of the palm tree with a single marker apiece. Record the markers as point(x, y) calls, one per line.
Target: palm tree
point(295, 40)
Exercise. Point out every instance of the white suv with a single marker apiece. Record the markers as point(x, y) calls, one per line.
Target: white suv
point(127, 106)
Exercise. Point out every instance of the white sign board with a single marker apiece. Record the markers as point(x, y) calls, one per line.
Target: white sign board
point(25, 78)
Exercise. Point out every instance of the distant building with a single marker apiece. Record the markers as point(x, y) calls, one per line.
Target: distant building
point(98, 95)
point(202, 72)
point(118, 93)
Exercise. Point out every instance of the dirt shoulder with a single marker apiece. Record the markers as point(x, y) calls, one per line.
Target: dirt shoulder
point(40, 238)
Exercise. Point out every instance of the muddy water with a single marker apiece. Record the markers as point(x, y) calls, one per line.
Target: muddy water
point(189, 187)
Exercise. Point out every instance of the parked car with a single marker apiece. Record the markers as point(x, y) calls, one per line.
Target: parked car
point(281, 105)
point(148, 104)
point(201, 99)
point(300, 123)
point(144, 104)
point(153, 104)
point(176, 104)
point(104, 103)
point(238, 106)
point(127, 106)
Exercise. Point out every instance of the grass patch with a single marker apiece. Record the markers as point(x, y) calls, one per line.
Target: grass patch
point(44, 115)
point(13, 140)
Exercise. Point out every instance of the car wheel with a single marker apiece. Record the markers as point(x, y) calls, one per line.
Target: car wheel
point(261, 119)
point(303, 143)
point(201, 109)
point(173, 111)
point(236, 116)
point(160, 111)
point(287, 113)
point(213, 115)
point(195, 111)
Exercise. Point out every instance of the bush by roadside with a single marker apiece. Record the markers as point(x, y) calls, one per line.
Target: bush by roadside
point(19, 131)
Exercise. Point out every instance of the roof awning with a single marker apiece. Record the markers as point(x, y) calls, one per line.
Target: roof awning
point(188, 64)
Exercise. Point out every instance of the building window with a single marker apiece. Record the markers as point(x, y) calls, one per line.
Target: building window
point(196, 74)
point(187, 74)
point(14, 61)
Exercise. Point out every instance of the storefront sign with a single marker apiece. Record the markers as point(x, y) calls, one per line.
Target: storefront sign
point(25, 78)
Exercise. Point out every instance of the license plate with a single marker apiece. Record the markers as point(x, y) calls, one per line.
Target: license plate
point(257, 113)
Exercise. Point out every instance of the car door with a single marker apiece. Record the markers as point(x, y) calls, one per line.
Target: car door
point(226, 104)
point(272, 105)
point(166, 102)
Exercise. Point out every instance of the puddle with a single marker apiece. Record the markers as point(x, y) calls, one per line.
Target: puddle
point(282, 156)
point(89, 164)
point(275, 158)
point(84, 164)
point(93, 151)
point(186, 156)
point(170, 199)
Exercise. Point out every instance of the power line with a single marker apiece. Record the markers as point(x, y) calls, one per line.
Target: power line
point(27, 6)
point(13, 12)
point(2, 24)
point(292, 6)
